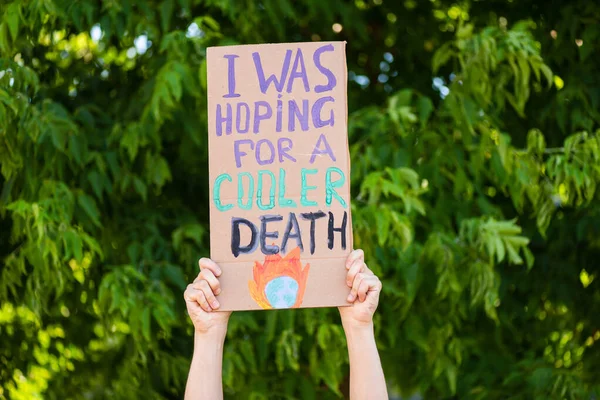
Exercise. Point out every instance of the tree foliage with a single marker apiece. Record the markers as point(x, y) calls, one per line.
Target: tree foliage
point(475, 145)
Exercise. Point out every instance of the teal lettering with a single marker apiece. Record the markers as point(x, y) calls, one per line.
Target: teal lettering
point(305, 188)
point(217, 192)
point(241, 204)
point(260, 191)
point(283, 202)
point(330, 186)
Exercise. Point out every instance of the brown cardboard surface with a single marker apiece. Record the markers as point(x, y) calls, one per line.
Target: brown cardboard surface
point(326, 281)
point(279, 166)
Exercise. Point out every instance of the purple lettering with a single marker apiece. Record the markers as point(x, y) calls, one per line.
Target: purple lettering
point(259, 146)
point(331, 81)
point(258, 116)
point(239, 153)
point(283, 146)
point(294, 111)
point(266, 82)
point(318, 152)
point(298, 63)
point(231, 75)
point(227, 119)
point(316, 112)
point(238, 125)
point(279, 115)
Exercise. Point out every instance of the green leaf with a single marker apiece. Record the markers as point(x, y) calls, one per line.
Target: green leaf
point(323, 336)
point(382, 222)
point(77, 148)
point(95, 180)
point(415, 332)
point(202, 74)
point(547, 74)
point(185, 4)
point(140, 188)
point(145, 318)
point(77, 247)
point(451, 376)
point(270, 328)
point(12, 19)
point(131, 141)
point(157, 170)
point(73, 245)
point(529, 258)
point(247, 351)
point(425, 108)
point(59, 139)
point(166, 13)
point(513, 255)
point(402, 228)
point(209, 23)
point(442, 56)
point(174, 274)
point(499, 247)
point(4, 38)
point(89, 206)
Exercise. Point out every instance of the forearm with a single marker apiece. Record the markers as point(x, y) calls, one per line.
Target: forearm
point(366, 375)
point(205, 376)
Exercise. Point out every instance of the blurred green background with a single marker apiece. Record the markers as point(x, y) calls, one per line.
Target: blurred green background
point(475, 164)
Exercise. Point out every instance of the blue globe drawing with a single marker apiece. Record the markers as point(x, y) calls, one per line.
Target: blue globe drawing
point(282, 292)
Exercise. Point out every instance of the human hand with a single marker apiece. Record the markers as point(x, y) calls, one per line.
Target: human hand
point(364, 295)
point(200, 299)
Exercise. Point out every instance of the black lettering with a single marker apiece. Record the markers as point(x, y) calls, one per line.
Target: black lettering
point(265, 219)
point(236, 249)
point(341, 229)
point(312, 217)
point(292, 224)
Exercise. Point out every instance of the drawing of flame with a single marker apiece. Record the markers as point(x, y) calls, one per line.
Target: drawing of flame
point(279, 282)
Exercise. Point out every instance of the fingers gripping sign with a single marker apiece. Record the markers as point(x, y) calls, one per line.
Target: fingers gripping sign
point(355, 265)
point(210, 278)
point(210, 265)
point(364, 293)
point(195, 298)
point(201, 297)
point(366, 375)
point(209, 296)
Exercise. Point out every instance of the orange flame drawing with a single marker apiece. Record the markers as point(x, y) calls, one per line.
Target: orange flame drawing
point(279, 282)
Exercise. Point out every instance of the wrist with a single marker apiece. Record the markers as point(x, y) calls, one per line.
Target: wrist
point(350, 323)
point(358, 328)
point(209, 345)
point(360, 337)
point(215, 333)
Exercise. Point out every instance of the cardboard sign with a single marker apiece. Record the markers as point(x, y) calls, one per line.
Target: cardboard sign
point(280, 223)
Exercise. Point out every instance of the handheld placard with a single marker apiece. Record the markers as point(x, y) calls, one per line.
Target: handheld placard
point(280, 221)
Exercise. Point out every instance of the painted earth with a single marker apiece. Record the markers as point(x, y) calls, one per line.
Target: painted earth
point(281, 292)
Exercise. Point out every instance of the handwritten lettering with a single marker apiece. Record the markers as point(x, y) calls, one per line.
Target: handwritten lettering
point(282, 196)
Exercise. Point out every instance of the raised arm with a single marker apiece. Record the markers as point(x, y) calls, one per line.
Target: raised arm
point(205, 376)
point(366, 374)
